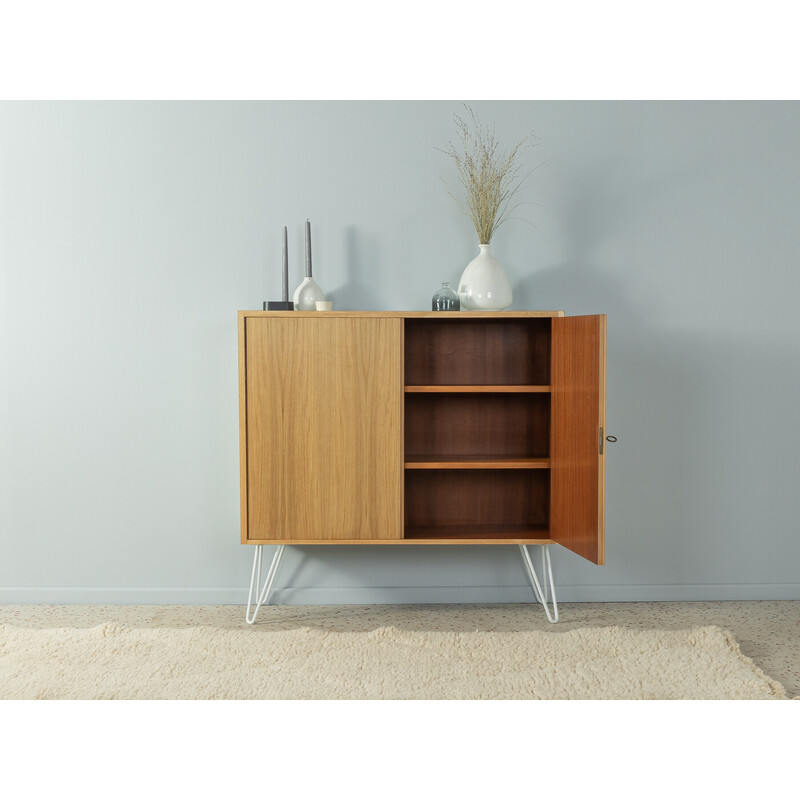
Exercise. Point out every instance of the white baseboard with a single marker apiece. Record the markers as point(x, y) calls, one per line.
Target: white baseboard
point(401, 594)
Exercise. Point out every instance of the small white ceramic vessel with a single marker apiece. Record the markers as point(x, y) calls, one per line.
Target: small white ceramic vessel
point(306, 295)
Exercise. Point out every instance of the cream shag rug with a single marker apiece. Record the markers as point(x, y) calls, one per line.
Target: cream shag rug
point(115, 662)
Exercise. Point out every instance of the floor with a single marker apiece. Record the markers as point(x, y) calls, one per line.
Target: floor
point(767, 631)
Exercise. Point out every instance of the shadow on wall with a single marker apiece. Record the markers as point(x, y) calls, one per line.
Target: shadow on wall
point(706, 457)
point(671, 400)
point(589, 214)
point(650, 385)
point(707, 446)
point(700, 488)
point(356, 294)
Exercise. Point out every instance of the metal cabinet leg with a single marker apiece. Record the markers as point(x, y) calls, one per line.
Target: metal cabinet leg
point(262, 598)
point(547, 575)
point(255, 581)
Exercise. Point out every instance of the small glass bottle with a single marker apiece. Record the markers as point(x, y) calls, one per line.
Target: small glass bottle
point(446, 299)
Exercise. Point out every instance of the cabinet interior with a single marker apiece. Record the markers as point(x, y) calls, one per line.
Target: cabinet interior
point(477, 424)
point(477, 351)
point(477, 428)
point(476, 502)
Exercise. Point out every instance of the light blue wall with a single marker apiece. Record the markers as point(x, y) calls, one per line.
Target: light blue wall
point(130, 233)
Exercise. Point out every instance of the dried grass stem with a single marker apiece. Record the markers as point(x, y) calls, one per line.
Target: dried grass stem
point(489, 177)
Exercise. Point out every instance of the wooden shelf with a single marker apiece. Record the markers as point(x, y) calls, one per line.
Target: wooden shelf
point(522, 389)
point(479, 534)
point(446, 461)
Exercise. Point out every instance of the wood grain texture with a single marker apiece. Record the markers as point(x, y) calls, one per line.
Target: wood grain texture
point(471, 462)
point(290, 396)
point(482, 534)
point(463, 315)
point(464, 498)
point(477, 425)
point(242, 427)
point(324, 412)
point(522, 534)
point(466, 350)
point(578, 408)
point(601, 478)
point(451, 388)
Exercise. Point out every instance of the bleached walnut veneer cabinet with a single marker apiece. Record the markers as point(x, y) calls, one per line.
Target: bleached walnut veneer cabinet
point(422, 428)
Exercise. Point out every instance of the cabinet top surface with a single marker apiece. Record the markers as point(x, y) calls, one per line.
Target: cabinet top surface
point(412, 314)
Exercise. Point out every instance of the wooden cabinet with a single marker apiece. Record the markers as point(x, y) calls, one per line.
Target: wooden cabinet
point(422, 428)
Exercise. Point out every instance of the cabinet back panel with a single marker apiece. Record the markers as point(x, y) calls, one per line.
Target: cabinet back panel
point(477, 351)
point(476, 497)
point(477, 424)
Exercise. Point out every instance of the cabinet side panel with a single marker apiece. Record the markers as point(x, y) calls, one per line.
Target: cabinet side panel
point(601, 481)
point(324, 428)
point(578, 409)
point(242, 426)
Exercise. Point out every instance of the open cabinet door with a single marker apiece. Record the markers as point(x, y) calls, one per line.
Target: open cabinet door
point(577, 452)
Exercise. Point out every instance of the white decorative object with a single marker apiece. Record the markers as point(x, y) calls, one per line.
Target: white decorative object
point(308, 293)
point(490, 179)
point(484, 284)
point(324, 305)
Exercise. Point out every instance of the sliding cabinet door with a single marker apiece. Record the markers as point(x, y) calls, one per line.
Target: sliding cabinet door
point(324, 428)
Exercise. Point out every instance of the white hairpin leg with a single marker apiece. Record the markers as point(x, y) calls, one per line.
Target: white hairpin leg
point(255, 581)
point(547, 575)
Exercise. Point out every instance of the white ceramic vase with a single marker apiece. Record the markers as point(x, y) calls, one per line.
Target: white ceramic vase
point(306, 295)
point(484, 284)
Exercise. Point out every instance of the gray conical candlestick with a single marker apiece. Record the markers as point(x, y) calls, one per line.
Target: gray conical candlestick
point(308, 250)
point(284, 304)
point(285, 286)
point(307, 293)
